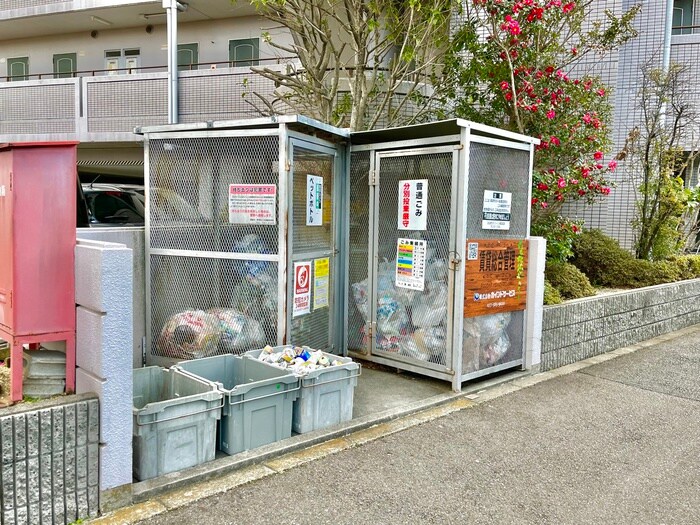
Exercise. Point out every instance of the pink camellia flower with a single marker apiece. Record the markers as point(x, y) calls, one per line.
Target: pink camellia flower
point(568, 7)
point(561, 182)
point(505, 85)
point(559, 196)
point(542, 186)
point(574, 51)
point(601, 92)
point(587, 118)
point(612, 165)
point(551, 114)
point(544, 204)
point(535, 200)
point(574, 181)
point(554, 141)
point(599, 166)
point(581, 192)
point(598, 155)
point(574, 228)
point(585, 172)
point(605, 190)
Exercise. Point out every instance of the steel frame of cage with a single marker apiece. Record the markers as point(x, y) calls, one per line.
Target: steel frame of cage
point(460, 146)
point(285, 256)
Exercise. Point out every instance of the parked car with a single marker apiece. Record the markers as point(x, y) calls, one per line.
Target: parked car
point(110, 205)
point(114, 204)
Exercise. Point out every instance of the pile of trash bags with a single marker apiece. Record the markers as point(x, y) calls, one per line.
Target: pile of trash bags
point(197, 333)
point(413, 323)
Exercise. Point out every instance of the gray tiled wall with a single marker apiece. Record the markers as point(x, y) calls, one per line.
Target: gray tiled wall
point(50, 461)
point(587, 327)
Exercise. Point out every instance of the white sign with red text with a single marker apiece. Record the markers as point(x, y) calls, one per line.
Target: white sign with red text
point(413, 204)
point(302, 289)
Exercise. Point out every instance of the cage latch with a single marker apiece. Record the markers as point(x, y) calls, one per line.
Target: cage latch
point(454, 260)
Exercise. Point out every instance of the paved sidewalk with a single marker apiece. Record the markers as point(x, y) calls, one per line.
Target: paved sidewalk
point(613, 439)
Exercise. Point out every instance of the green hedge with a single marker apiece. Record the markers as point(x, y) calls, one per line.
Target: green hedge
point(568, 280)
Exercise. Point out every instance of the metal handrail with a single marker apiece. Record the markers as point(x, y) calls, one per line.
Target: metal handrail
point(140, 424)
point(133, 70)
point(232, 394)
point(359, 373)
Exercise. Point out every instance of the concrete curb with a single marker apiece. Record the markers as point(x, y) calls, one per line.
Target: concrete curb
point(174, 491)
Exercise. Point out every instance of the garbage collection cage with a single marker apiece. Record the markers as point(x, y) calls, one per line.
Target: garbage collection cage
point(242, 237)
point(437, 263)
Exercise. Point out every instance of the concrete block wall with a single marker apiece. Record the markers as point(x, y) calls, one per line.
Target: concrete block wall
point(133, 238)
point(104, 349)
point(50, 461)
point(580, 329)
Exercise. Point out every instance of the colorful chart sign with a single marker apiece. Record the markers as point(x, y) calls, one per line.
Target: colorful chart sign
point(413, 204)
point(495, 278)
point(410, 263)
point(314, 200)
point(302, 289)
point(321, 280)
point(252, 204)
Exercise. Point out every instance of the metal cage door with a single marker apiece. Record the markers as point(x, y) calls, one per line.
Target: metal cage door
point(414, 233)
point(312, 265)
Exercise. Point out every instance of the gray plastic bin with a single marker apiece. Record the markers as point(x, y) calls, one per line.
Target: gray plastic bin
point(174, 421)
point(326, 394)
point(257, 399)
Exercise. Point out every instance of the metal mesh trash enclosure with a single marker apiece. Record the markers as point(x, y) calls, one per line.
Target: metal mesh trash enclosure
point(495, 340)
point(213, 242)
point(412, 248)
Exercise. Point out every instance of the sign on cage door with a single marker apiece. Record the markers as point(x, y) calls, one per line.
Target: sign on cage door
point(413, 204)
point(302, 289)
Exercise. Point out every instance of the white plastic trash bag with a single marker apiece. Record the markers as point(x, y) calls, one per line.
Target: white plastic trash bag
point(239, 332)
point(189, 335)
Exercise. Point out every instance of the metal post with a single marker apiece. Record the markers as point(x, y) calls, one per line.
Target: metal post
point(172, 7)
point(668, 30)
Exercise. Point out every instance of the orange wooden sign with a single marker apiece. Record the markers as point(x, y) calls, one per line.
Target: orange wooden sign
point(495, 278)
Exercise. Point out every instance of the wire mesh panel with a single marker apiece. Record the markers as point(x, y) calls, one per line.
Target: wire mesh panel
point(495, 168)
point(312, 273)
point(203, 306)
point(497, 339)
point(213, 240)
point(413, 237)
point(358, 258)
point(192, 182)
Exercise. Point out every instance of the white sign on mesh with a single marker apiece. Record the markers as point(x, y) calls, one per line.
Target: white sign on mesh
point(314, 200)
point(413, 204)
point(496, 210)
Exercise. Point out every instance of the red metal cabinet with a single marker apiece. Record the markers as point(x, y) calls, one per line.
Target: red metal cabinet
point(37, 250)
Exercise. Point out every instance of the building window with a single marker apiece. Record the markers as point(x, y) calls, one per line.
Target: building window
point(65, 65)
point(18, 68)
point(244, 52)
point(187, 56)
point(682, 17)
point(122, 61)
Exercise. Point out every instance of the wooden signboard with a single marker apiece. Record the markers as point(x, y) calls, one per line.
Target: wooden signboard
point(495, 278)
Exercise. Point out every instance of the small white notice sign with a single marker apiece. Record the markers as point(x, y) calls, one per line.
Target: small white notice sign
point(314, 200)
point(496, 210)
point(413, 204)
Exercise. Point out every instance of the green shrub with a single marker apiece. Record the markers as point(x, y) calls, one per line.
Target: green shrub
point(551, 294)
point(599, 257)
point(637, 273)
point(568, 280)
point(688, 265)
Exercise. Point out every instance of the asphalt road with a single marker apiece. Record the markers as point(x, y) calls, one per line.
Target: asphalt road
point(614, 443)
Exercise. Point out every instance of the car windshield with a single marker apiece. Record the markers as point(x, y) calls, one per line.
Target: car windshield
point(115, 207)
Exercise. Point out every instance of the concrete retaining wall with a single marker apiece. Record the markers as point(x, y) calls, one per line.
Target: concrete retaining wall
point(595, 325)
point(50, 461)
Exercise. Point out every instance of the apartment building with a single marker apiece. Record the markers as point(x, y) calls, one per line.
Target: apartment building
point(93, 70)
point(669, 32)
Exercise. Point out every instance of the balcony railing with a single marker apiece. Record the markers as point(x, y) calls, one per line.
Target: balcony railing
point(96, 106)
